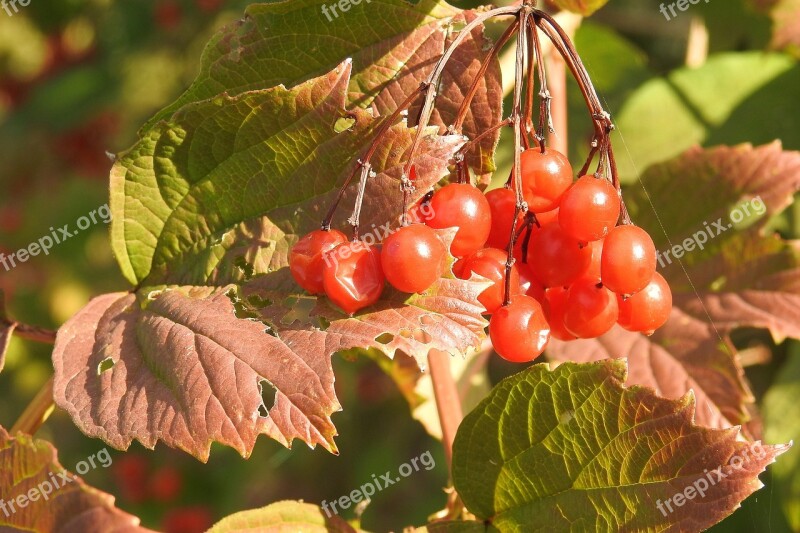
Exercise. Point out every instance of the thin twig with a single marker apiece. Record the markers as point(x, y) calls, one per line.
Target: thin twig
point(448, 402)
point(37, 412)
point(31, 333)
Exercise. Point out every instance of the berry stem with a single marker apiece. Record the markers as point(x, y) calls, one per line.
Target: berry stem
point(458, 123)
point(382, 130)
point(520, 206)
point(432, 81)
point(474, 142)
point(545, 99)
point(354, 220)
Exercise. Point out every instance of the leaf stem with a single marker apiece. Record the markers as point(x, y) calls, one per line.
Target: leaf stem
point(37, 412)
point(448, 402)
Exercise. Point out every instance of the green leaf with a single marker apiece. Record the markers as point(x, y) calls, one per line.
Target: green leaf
point(733, 98)
point(393, 45)
point(573, 449)
point(782, 422)
point(38, 494)
point(285, 516)
point(584, 7)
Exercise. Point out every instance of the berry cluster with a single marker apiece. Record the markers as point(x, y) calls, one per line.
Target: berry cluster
point(561, 255)
point(575, 273)
point(580, 272)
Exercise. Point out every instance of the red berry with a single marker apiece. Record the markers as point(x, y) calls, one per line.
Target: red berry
point(491, 264)
point(187, 520)
point(592, 273)
point(418, 211)
point(528, 283)
point(548, 217)
point(168, 15)
point(306, 258)
point(463, 206)
point(555, 307)
point(592, 310)
point(589, 209)
point(648, 309)
point(629, 260)
point(503, 204)
point(130, 474)
point(545, 178)
point(352, 276)
point(519, 331)
point(412, 258)
point(555, 258)
point(166, 484)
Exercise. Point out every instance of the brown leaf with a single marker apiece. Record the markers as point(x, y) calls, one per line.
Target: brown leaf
point(685, 354)
point(187, 371)
point(30, 468)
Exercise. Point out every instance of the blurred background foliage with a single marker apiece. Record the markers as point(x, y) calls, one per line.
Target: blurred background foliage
point(77, 79)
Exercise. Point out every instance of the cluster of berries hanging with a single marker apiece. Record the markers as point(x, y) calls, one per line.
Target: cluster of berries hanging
point(562, 256)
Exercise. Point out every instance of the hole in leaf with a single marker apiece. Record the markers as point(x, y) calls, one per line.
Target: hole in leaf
point(258, 302)
point(344, 124)
point(105, 365)
point(420, 335)
point(300, 309)
point(384, 338)
point(242, 264)
point(268, 394)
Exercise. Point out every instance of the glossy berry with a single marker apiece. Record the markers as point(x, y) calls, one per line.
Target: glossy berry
point(592, 273)
point(555, 307)
point(589, 209)
point(353, 277)
point(648, 309)
point(545, 178)
point(491, 264)
point(463, 206)
point(555, 258)
point(502, 203)
point(528, 284)
point(412, 258)
point(591, 311)
point(306, 258)
point(519, 331)
point(629, 260)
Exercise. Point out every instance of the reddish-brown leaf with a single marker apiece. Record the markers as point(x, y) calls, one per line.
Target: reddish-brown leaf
point(187, 371)
point(52, 499)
